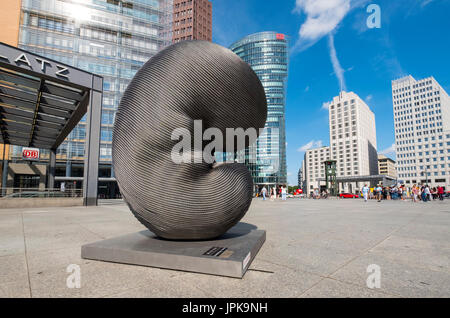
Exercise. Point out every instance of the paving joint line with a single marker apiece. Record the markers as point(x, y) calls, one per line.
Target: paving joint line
point(26, 256)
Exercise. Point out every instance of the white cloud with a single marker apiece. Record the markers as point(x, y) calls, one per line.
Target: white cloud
point(326, 105)
point(388, 151)
point(338, 70)
point(310, 145)
point(322, 17)
point(369, 98)
point(425, 3)
point(307, 89)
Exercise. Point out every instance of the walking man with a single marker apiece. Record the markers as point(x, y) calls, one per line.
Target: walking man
point(263, 192)
point(378, 190)
point(428, 192)
point(283, 193)
point(365, 191)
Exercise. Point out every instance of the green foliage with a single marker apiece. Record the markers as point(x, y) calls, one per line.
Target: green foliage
point(291, 189)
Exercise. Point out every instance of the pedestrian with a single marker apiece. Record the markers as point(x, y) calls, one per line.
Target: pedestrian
point(427, 193)
point(264, 192)
point(378, 190)
point(441, 193)
point(283, 193)
point(415, 193)
point(400, 193)
point(434, 193)
point(365, 191)
point(316, 194)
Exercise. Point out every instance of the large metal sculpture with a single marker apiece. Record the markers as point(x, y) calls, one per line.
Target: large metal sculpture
point(188, 81)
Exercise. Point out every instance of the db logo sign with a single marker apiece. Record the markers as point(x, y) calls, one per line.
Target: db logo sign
point(30, 154)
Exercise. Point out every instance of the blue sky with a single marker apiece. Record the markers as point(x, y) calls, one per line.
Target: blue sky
point(414, 38)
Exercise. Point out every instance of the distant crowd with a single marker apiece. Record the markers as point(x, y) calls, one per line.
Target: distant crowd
point(416, 193)
point(274, 193)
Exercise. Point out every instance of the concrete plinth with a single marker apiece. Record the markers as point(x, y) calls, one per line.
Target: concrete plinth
point(229, 255)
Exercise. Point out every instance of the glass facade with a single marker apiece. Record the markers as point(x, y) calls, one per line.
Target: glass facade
point(111, 38)
point(267, 54)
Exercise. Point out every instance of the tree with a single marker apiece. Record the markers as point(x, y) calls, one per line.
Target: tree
point(292, 189)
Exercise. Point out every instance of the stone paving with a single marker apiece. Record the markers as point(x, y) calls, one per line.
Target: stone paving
point(314, 248)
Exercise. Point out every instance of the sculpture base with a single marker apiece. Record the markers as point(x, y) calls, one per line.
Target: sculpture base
point(229, 255)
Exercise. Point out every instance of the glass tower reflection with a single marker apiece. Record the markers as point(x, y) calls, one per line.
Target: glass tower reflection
point(267, 54)
point(111, 38)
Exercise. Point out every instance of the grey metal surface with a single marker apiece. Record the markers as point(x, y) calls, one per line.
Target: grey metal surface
point(4, 174)
point(52, 169)
point(93, 119)
point(188, 81)
point(230, 255)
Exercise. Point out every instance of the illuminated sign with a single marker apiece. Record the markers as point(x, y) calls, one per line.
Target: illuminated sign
point(280, 36)
point(30, 153)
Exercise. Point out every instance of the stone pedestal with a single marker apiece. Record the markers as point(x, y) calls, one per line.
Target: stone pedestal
point(229, 255)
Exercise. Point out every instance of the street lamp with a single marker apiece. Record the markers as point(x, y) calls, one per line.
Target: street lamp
point(426, 174)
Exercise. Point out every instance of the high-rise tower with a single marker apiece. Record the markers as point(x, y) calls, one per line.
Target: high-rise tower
point(422, 131)
point(192, 20)
point(267, 54)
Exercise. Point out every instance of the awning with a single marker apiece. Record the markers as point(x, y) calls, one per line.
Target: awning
point(41, 100)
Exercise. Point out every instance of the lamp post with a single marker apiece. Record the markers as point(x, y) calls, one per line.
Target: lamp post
point(426, 174)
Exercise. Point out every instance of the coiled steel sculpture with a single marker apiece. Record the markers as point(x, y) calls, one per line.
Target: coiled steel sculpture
point(190, 80)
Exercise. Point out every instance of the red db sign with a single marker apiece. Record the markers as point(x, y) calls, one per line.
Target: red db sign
point(30, 154)
point(280, 36)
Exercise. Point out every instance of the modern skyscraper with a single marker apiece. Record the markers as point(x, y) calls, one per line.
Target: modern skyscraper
point(111, 38)
point(267, 54)
point(353, 140)
point(422, 131)
point(314, 169)
point(192, 20)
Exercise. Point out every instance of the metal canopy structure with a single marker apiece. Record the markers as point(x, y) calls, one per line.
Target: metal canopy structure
point(37, 112)
point(42, 100)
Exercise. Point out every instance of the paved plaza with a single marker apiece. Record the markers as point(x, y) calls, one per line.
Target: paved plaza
point(313, 249)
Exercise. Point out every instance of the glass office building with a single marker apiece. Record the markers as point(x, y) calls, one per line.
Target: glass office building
point(267, 54)
point(111, 38)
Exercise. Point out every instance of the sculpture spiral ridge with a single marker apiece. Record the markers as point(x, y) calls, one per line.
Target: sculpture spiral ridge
point(190, 80)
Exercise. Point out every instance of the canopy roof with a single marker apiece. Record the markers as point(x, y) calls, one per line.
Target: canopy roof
point(41, 100)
